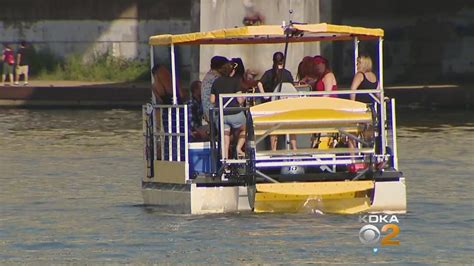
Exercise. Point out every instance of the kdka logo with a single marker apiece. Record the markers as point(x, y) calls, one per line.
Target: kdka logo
point(373, 232)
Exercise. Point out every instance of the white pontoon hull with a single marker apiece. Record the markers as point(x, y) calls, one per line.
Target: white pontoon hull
point(389, 197)
point(199, 200)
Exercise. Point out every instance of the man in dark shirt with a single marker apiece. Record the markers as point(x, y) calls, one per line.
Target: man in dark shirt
point(22, 63)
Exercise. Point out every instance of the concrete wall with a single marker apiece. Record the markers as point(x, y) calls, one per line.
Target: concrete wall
point(121, 27)
point(425, 41)
point(121, 37)
point(230, 13)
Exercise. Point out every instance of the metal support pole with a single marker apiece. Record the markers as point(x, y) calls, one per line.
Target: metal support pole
point(178, 137)
point(382, 101)
point(381, 64)
point(173, 75)
point(152, 63)
point(212, 132)
point(356, 53)
point(394, 135)
point(221, 126)
point(175, 101)
point(170, 136)
point(153, 101)
point(186, 143)
point(266, 176)
point(162, 134)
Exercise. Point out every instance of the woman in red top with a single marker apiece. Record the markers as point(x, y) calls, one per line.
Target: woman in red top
point(306, 72)
point(326, 81)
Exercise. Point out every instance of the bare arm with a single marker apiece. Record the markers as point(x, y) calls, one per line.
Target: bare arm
point(329, 81)
point(241, 100)
point(260, 87)
point(358, 78)
point(158, 91)
point(213, 98)
point(18, 59)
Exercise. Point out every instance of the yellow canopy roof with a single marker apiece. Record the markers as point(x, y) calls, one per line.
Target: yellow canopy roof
point(269, 34)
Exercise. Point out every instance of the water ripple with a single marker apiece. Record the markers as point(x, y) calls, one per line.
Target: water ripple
point(71, 194)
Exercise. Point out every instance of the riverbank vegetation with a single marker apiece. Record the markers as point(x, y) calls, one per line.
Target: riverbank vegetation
point(101, 67)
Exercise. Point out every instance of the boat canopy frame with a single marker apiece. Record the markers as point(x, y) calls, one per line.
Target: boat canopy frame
point(273, 34)
point(270, 34)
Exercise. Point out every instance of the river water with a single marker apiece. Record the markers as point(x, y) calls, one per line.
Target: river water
point(70, 192)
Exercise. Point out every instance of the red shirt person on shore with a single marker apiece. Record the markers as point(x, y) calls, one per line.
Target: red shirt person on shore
point(8, 59)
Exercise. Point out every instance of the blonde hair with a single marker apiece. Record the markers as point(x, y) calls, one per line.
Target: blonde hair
point(365, 63)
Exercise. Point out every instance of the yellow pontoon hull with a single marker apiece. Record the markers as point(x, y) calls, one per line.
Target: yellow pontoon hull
point(345, 197)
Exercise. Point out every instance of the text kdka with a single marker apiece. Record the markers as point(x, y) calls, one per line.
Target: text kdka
point(378, 219)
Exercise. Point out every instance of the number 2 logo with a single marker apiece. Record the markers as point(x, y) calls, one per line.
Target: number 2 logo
point(393, 232)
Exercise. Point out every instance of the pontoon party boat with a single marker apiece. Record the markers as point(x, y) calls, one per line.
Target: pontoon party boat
point(328, 176)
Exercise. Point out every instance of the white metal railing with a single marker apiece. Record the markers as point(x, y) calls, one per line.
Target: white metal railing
point(172, 133)
point(282, 94)
point(224, 99)
point(167, 125)
point(393, 125)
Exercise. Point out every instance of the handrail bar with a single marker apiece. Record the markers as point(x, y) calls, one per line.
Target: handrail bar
point(312, 93)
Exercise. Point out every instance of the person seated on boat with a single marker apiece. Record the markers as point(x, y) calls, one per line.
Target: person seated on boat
point(217, 63)
point(272, 77)
point(241, 74)
point(306, 72)
point(198, 131)
point(251, 82)
point(162, 86)
point(233, 119)
point(269, 82)
point(364, 78)
point(162, 89)
point(247, 82)
point(326, 81)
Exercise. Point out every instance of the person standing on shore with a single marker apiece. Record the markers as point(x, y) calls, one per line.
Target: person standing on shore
point(22, 63)
point(8, 59)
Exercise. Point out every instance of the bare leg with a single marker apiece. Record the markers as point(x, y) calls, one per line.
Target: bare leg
point(226, 143)
point(3, 78)
point(351, 144)
point(26, 76)
point(273, 142)
point(10, 76)
point(241, 142)
point(293, 142)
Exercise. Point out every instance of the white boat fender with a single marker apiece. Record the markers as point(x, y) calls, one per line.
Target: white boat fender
point(292, 170)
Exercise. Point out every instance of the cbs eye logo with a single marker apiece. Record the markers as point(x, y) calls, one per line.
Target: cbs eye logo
point(370, 235)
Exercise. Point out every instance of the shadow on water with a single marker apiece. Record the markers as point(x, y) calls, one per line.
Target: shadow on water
point(435, 119)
